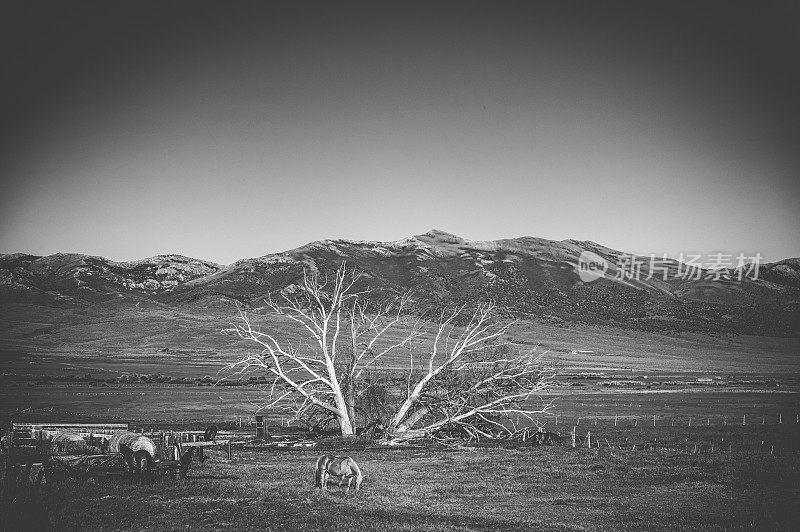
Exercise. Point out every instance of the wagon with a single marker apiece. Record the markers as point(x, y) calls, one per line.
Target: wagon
point(82, 468)
point(58, 468)
point(65, 450)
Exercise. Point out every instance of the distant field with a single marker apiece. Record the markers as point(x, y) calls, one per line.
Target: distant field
point(639, 365)
point(154, 338)
point(612, 414)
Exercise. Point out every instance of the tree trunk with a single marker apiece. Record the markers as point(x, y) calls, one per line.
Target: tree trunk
point(345, 421)
point(404, 425)
point(348, 395)
point(347, 427)
point(350, 400)
point(406, 435)
point(404, 432)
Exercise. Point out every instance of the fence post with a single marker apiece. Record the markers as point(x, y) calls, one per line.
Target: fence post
point(573, 436)
point(744, 419)
point(589, 439)
point(7, 464)
point(654, 420)
point(615, 420)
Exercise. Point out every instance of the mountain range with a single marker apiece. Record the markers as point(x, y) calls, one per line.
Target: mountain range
point(527, 277)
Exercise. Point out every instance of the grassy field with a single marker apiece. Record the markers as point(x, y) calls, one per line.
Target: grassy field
point(544, 488)
point(148, 403)
point(106, 340)
point(716, 474)
point(721, 457)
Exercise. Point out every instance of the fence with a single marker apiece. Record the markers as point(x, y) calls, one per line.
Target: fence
point(676, 421)
point(766, 434)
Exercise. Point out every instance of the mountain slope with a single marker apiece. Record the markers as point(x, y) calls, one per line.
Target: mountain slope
point(68, 278)
point(527, 277)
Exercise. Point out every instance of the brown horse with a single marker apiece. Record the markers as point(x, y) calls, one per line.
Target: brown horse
point(343, 467)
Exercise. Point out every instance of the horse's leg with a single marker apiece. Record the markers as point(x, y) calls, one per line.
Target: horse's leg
point(324, 479)
point(144, 470)
point(139, 472)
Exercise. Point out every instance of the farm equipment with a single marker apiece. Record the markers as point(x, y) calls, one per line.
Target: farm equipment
point(59, 468)
point(83, 451)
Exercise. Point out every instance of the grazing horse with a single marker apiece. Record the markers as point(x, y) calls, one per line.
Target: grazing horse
point(140, 463)
point(211, 433)
point(343, 467)
point(138, 451)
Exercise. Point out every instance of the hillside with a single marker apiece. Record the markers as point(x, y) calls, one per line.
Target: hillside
point(528, 277)
point(66, 278)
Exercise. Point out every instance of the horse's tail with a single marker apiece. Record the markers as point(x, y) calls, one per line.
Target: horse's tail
point(357, 470)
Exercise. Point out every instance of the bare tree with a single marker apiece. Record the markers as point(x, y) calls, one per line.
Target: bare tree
point(467, 381)
point(322, 372)
point(463, 380)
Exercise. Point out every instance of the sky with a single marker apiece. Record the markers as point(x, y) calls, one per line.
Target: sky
point(230, 130)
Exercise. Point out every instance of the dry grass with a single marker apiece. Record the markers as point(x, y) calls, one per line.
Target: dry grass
point(533, 489)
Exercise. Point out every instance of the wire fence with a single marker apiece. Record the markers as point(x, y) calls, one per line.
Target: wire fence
point(753, 434)
point(672, 420)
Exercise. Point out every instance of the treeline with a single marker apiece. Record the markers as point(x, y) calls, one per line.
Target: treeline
point(130, 378)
